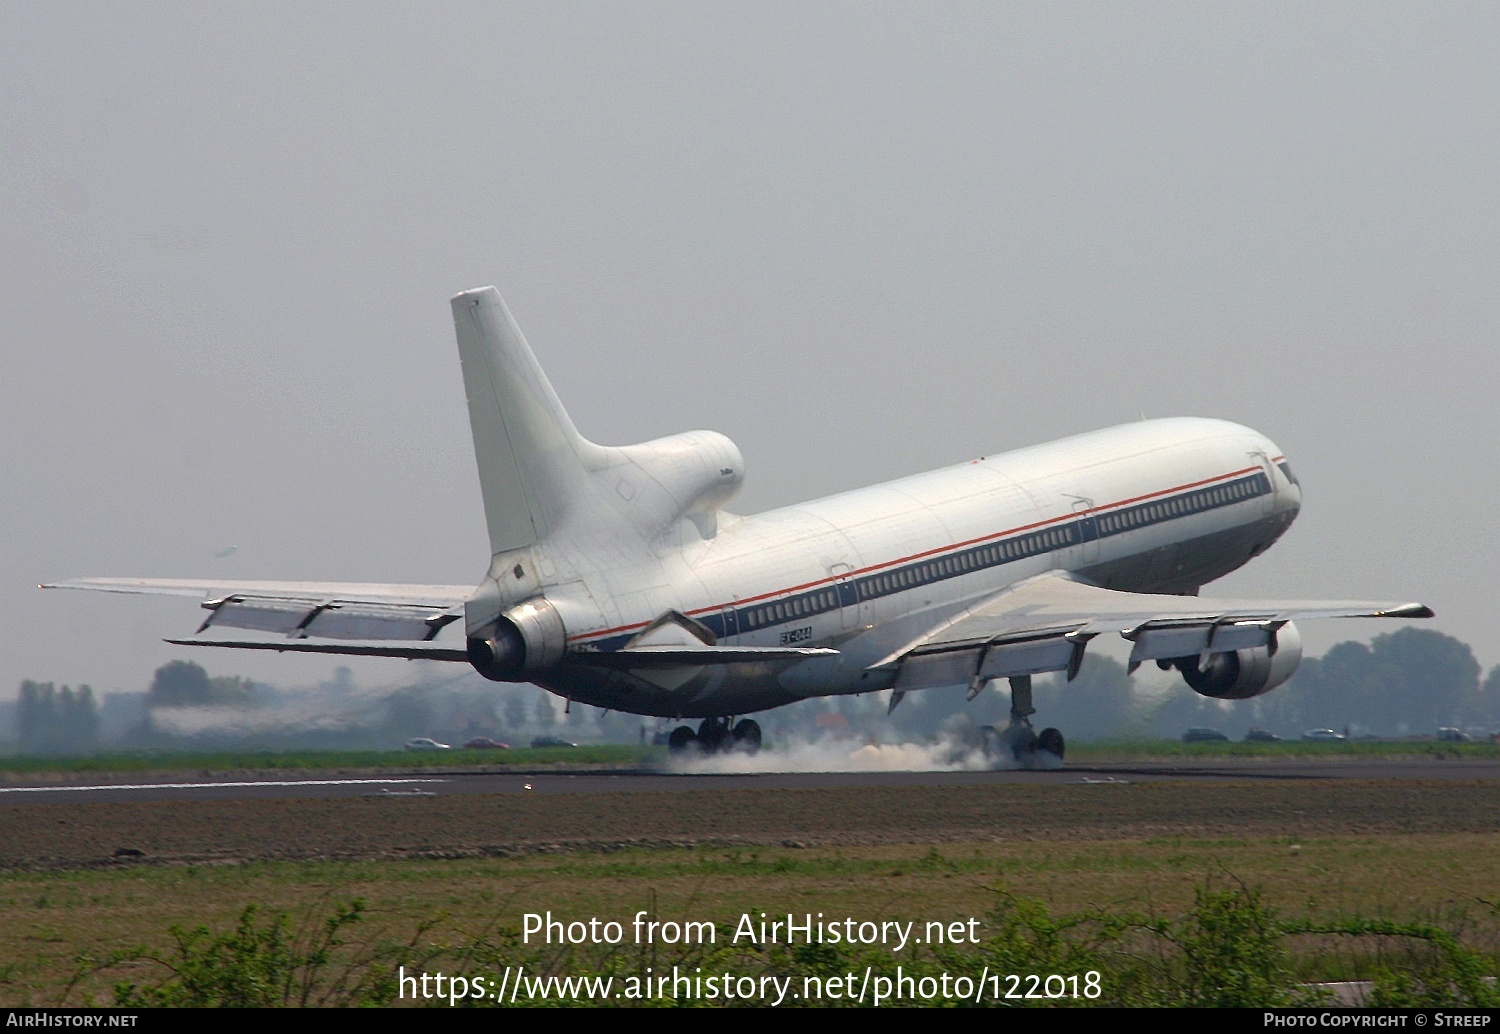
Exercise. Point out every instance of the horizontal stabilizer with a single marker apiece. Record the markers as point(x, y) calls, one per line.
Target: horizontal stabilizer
point(313, 592)
point(413, 651)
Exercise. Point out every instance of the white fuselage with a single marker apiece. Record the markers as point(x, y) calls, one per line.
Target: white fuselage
point(1157, 506)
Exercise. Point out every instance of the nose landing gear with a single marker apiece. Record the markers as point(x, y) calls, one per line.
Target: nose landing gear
point(717, 736)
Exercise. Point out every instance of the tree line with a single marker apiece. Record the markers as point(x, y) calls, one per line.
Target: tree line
point(1410, 681)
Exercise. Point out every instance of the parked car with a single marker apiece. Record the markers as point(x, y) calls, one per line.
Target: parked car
point(1453, 736)
point(1322, 736)
point(423, 743)
point(1203, 736)
point(1261, 736)
point(551, 741)
point(485, 743)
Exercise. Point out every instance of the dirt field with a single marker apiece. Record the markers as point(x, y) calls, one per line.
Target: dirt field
point(62, 836)
point(460, 867)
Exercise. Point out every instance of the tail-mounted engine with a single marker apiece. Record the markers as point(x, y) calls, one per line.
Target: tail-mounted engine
point(1249, 672)
point(524, 641)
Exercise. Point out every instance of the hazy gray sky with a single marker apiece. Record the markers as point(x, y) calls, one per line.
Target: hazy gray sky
point(863, 240)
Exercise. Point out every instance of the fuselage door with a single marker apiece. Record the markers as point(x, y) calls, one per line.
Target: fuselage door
point(849, 606)
point(1265, 503)
point(1086, 530)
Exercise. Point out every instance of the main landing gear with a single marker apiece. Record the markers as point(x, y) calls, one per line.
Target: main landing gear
point(717, 736)
point(1017, 740)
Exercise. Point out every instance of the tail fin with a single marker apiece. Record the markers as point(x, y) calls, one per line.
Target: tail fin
point(531, 457)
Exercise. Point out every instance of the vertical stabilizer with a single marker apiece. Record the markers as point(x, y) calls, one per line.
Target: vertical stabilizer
point(530, 456)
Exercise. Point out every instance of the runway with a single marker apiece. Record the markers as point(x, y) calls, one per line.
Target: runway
point(545, 781)
point(343, 816)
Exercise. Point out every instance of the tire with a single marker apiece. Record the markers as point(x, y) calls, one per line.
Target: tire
point(747, 736)
point(1024, 743)
point(713, 734)
point(681, 739)
point(1051, 741)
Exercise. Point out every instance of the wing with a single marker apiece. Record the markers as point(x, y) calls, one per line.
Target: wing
point(372, 619)
point(1044, 623)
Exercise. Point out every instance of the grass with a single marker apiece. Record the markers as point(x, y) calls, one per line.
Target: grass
point(1141, 750)
point(321, 760)
point(632, 756)
point(1340, 891)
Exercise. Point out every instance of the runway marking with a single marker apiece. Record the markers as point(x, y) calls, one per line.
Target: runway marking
point(212, 786)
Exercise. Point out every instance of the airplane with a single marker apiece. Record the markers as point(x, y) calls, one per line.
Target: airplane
point(617, 578)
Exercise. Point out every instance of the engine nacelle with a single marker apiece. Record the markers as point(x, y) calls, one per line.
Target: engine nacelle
point(525, 641)
point(1242, 674)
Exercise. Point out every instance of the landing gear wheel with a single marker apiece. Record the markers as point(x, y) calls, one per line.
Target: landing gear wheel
point(1051, 741)
point(1023, 743)
point(713, 734)
point(681, 739)
point(747, 736)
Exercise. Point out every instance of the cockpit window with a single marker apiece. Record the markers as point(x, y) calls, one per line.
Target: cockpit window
point(1286, 468)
